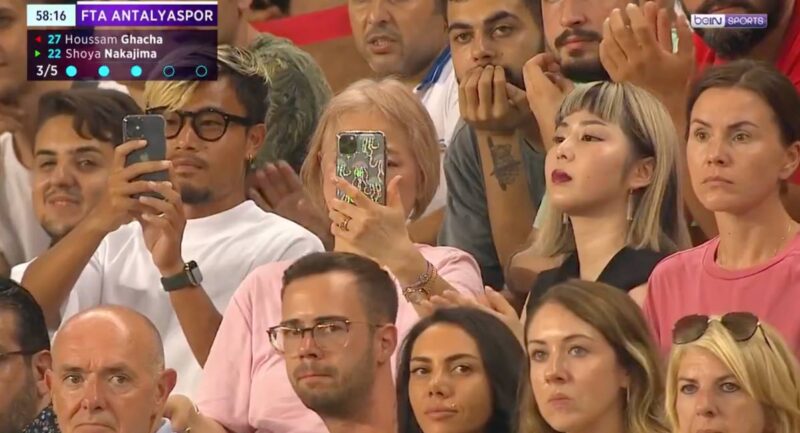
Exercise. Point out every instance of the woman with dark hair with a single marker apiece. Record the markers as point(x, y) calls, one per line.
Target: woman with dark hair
point(458, 373)
point(592, 364)
point(743, 147)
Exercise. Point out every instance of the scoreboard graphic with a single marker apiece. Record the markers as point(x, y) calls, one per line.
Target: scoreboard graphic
point(123, 40)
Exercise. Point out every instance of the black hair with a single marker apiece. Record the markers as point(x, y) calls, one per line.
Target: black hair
point(502, 356)
point(31, 330)
point(534, 6)
point(96, 113)
point(376, 288)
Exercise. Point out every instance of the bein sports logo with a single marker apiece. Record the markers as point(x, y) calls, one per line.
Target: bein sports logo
point(729, 21)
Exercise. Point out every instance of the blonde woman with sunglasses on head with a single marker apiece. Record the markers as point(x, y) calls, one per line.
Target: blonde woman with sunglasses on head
point(731, 374)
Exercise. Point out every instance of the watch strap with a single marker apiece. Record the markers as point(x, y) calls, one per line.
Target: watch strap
point(182, 280)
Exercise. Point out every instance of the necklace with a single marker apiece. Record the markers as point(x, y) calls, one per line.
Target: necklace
point(778, 248)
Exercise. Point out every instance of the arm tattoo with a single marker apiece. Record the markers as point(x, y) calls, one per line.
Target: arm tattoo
point(506, 168)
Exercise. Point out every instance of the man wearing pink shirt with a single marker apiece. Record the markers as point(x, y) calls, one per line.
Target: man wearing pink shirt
point(337, 337)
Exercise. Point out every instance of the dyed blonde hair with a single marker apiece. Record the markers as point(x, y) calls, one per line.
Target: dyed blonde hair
point(173, 95)
point(658, 220)
point(399, 106)
point(763, 365)
point(617, 317)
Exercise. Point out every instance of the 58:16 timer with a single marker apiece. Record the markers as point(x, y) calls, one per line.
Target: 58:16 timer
point(45, 15)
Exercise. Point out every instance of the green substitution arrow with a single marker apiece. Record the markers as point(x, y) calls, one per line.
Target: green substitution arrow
point(36, 53)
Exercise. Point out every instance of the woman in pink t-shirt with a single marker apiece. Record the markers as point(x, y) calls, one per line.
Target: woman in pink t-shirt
point(245, 387)
point(743, 145)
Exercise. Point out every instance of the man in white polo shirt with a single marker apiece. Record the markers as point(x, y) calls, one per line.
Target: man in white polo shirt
point(181, 258)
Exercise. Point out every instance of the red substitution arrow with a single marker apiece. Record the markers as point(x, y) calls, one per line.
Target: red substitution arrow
point(39, 39)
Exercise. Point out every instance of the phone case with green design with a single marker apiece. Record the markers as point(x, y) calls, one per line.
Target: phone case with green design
point(361, 160)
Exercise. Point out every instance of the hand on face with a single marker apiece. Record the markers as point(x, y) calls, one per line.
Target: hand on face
point(163, 227)
point(490, 103)
point(277, 188)
point(641, 53)
point(546, 89)
point(368, 228)
point(118, 206)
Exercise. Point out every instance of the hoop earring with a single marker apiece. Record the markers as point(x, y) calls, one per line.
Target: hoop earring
point(631, 206)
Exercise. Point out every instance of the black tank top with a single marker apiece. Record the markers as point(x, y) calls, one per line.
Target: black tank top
point(628, 269)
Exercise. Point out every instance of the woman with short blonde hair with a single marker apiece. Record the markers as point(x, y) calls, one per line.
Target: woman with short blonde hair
point(731, 374)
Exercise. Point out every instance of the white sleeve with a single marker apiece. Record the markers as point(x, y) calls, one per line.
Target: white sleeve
point(88, 289)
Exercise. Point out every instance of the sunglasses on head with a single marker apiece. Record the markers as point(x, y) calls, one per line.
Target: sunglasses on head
point(741, 326)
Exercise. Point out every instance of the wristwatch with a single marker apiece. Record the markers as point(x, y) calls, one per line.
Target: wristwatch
point(190, 277)
point(420, 290)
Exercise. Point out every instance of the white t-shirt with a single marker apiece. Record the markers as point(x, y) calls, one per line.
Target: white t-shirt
point(21, 236)
point(226, 247)
point(440, 98)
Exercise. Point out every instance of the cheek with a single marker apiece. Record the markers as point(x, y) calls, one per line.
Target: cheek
point(417, 391)
point(743, 411)
point(477, 394)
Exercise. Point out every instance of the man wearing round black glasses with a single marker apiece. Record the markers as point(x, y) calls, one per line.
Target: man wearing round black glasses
point(178, 258)
point(24, 359)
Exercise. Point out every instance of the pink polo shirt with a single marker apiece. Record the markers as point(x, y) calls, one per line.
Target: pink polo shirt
point(691, 282)
point(245, 386)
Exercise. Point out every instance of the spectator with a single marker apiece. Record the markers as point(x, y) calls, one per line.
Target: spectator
point(25, 404)
point(245, 386)
point(778, 42)
point(731, 374)
point(743, 146)
point(592, 364)
point(342, 369)
point(388, 36)
point(73, 156)
point(21, 236)
point(612, 229)
point(497, 152)
point(213, 129)
point(298, 88)
point(108, 370)
point(459, 370)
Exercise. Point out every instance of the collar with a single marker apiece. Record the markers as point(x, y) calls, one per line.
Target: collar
point(165, 427)
point(435, 72)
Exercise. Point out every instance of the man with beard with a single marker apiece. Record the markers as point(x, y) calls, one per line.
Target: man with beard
point(778, 43)
point(146, 234)
point(338, 337)
point(73, 151)
point(24, 359)
point(497, 152)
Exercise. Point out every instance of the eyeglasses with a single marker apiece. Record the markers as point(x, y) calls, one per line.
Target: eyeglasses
point(742, 326)
point(328, 335)
point(209, 124)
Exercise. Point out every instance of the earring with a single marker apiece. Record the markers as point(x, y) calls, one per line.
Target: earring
point(564, 219)
point(631, 206)
point(251, 162)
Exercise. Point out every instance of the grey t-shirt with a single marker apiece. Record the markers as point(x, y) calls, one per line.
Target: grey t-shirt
point(466, 223)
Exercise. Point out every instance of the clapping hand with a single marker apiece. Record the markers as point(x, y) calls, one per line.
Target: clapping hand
point(277, 188)
point(641, 52)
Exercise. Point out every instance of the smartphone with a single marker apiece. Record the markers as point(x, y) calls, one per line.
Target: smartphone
point(361, 160)
point(151, 128)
